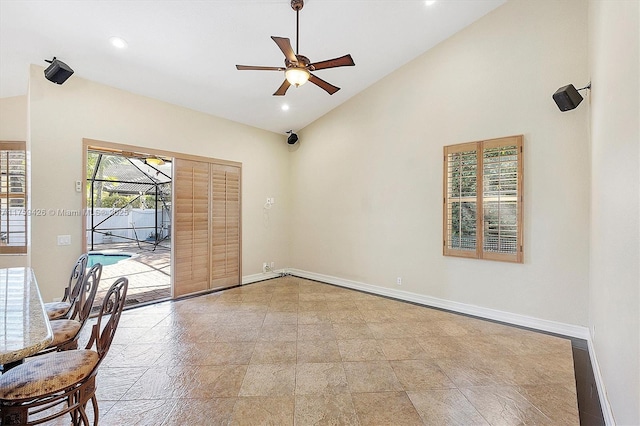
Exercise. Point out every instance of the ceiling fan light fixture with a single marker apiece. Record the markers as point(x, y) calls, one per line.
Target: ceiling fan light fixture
point(297, 76)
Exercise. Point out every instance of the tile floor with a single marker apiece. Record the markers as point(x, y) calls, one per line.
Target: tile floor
point(293, 351)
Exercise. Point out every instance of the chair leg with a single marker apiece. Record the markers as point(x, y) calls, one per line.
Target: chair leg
point(96, 411)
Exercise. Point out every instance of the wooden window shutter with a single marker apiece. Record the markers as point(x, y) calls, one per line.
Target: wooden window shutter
point(13, 197)
point(502, 199)
point(191, 227)
point(483, 200)
point(225, 223)
point(461, 200)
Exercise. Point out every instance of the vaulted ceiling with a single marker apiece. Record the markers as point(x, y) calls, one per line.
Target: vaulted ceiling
point(184, 52)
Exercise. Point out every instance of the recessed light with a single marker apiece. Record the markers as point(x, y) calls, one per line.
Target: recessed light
point(285, 107)
point(430, 2)
point(118, 42)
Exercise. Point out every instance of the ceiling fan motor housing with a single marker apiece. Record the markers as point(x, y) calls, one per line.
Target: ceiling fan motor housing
point(297, 4)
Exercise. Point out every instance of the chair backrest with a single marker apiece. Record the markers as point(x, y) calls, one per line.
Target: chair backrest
point(112, 306)
point(81, 308)
point(76, 278)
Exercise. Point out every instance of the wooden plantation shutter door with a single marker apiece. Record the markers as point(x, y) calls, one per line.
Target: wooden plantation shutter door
point(483, 200)
point(207, 226)
point(191, 228)
point(225, 221)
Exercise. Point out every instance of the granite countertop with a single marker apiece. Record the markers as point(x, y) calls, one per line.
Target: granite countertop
point(24, 325)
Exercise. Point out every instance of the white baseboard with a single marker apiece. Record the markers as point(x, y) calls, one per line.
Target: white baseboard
point(478, 311)
point(248, 279)
point(607, 412)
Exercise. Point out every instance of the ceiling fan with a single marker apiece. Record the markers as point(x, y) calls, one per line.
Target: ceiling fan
point(297, 69)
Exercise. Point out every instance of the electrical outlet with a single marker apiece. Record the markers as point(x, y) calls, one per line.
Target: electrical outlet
point(272, 266)
point(399, 280)
point(64, 240)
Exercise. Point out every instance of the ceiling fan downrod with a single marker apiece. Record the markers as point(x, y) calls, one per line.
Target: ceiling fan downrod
point(297, 5)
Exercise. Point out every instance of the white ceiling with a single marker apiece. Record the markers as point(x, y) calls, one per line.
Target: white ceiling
point(184, 52)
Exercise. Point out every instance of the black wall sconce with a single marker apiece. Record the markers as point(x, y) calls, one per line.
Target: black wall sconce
point(568, 98)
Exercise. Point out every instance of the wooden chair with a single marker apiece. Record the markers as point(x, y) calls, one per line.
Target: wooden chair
point(53, 385)
point(62, 309)
point(66, 331)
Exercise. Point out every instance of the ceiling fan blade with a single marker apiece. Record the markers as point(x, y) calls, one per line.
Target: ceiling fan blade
point(255, 68)
point(285, 45)
point(330, 88)
point(283, 88)
point(342, 61)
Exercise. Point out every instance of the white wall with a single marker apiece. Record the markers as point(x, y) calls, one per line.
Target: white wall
point(367, 194)
point(61, 116)
point(614, 302)
point(13, 127)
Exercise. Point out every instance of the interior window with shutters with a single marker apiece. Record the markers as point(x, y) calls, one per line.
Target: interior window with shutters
point(13, 197)
point(483, 200)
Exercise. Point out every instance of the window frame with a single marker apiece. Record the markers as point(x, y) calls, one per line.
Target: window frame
point(479, 147)
point(9, 195)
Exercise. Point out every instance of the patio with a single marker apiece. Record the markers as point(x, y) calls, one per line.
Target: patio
point(148, 271)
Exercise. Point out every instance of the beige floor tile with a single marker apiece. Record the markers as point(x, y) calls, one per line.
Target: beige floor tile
point(417, 375)
point(163, 383)
point(377, 315)
point(281, 318)
point(352, 331)
point(269, 380)
point(285, 297)
point(278, 332)
point(323, 331)
point(325, 409)
point(283, 306)
point(312, 297)
point(504, 405)
point(250, 411)
point(321, 378)
point(318, 351)
point(135, 355)
point(216, 381)
point(393, 330)
point(371, 376)
point(397, 349)
point(143, 412)
point(209, 411)
point(557, 402)
point(385, 408)
point(445, 406)
point(341, 305)
point(113, 383)
point(475, 371)
point(314, 317)
point(234, 333)
point(312, 305)
point(346, 317)
point(221, 353)
point(360, 350)
point(274, 352)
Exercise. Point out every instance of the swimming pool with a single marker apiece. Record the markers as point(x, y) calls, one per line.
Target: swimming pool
point(106, 258)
